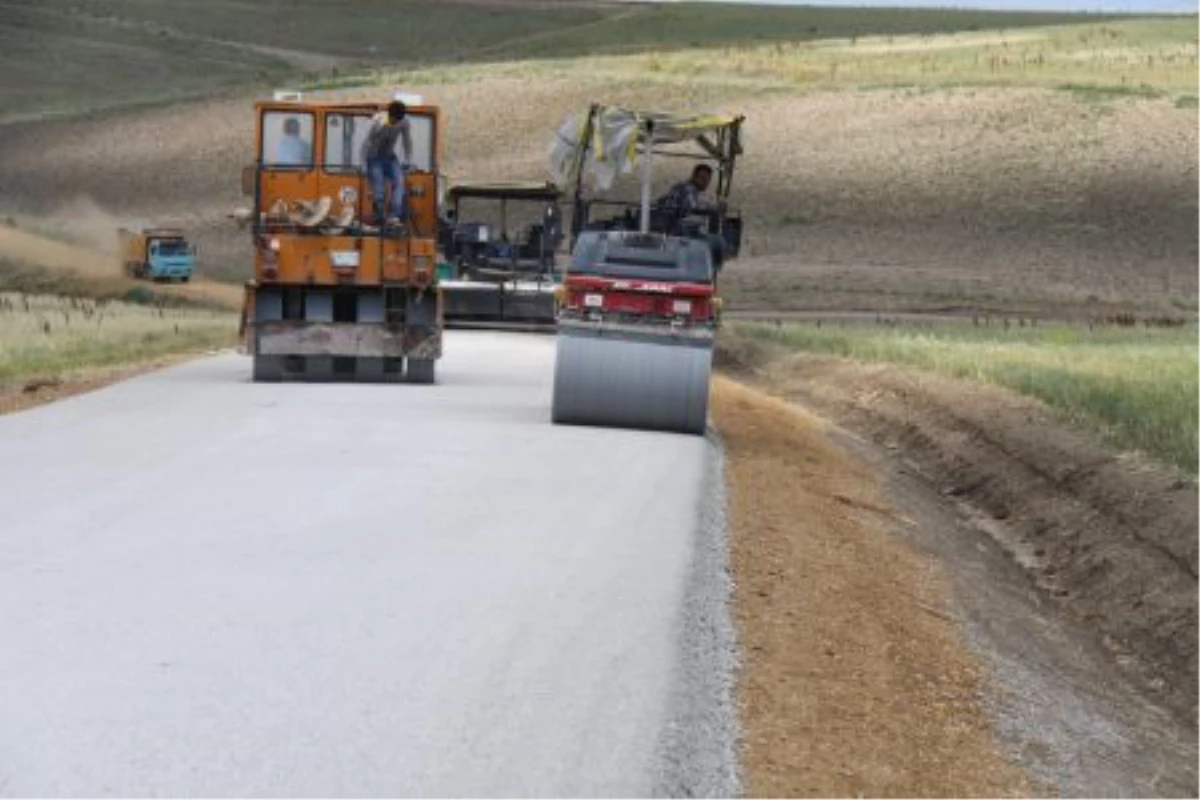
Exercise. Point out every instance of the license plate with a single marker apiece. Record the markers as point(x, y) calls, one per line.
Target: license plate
point(344, 259)
point(593, 300)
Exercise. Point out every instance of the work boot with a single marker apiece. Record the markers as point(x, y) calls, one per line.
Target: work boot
point(397, 220)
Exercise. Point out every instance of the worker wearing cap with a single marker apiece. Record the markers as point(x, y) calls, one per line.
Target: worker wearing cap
point(381, 162)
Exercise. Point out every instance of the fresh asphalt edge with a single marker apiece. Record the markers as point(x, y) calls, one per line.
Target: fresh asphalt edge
point(698, 750)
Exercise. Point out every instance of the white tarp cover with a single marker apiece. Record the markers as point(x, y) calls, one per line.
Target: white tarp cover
point(615, 136)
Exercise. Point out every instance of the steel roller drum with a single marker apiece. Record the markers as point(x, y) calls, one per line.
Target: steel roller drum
point(648, 382)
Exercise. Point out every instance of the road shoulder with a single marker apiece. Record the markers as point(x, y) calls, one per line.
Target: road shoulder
point(854, 679)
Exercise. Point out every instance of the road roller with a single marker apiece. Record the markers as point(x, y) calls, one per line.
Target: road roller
point(636, 329)
point(638, 307)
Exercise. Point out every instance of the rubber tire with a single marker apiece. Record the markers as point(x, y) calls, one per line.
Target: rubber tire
point(421, 370)
point(267, 369)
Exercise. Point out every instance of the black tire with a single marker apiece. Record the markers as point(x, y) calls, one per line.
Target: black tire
point(421, 370)
point(268, 369)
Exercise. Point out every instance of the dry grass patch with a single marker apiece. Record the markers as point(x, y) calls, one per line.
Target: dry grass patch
point(1137, 387)
point(46, 336)
point(1140, 56)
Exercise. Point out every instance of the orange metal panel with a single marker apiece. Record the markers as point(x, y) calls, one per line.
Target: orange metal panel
point(307, 259)
point(287, 185)
point(347, 187)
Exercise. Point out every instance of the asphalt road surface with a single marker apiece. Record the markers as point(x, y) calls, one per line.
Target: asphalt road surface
point(213, 587)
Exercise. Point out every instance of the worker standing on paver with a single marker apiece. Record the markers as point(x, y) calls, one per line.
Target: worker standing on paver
point(382, 163)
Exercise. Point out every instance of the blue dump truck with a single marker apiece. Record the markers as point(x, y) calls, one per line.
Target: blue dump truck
point(157, 254)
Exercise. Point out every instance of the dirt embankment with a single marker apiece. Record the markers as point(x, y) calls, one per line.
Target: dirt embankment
point(854, 679)
point(1109, 540)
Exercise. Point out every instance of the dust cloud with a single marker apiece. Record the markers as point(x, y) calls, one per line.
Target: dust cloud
point(79, 235)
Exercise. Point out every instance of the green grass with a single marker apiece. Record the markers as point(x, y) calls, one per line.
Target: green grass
point(1101, 93)
point(45, 336)
point(67, 57)
point(685, 26)
point(56, 63)
point(1138, 386)
point(1099, 60)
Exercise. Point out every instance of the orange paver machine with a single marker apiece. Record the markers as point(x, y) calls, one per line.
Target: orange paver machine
point(334, 296)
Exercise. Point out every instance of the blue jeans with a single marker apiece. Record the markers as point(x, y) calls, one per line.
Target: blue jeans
point(379, 171)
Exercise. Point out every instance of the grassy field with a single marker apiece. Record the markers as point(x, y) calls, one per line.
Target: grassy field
point(1139, 386)
point(66, 308)
point(43, 335)
point(1032, 164)
point(63, 57)
point(1144, 57)
point(1094, 58)
point(1041, 169)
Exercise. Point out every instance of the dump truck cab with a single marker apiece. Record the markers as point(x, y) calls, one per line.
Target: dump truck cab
point(335, 297)
point(158, 254)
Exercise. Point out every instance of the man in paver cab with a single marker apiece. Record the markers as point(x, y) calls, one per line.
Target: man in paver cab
point(293, 151)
